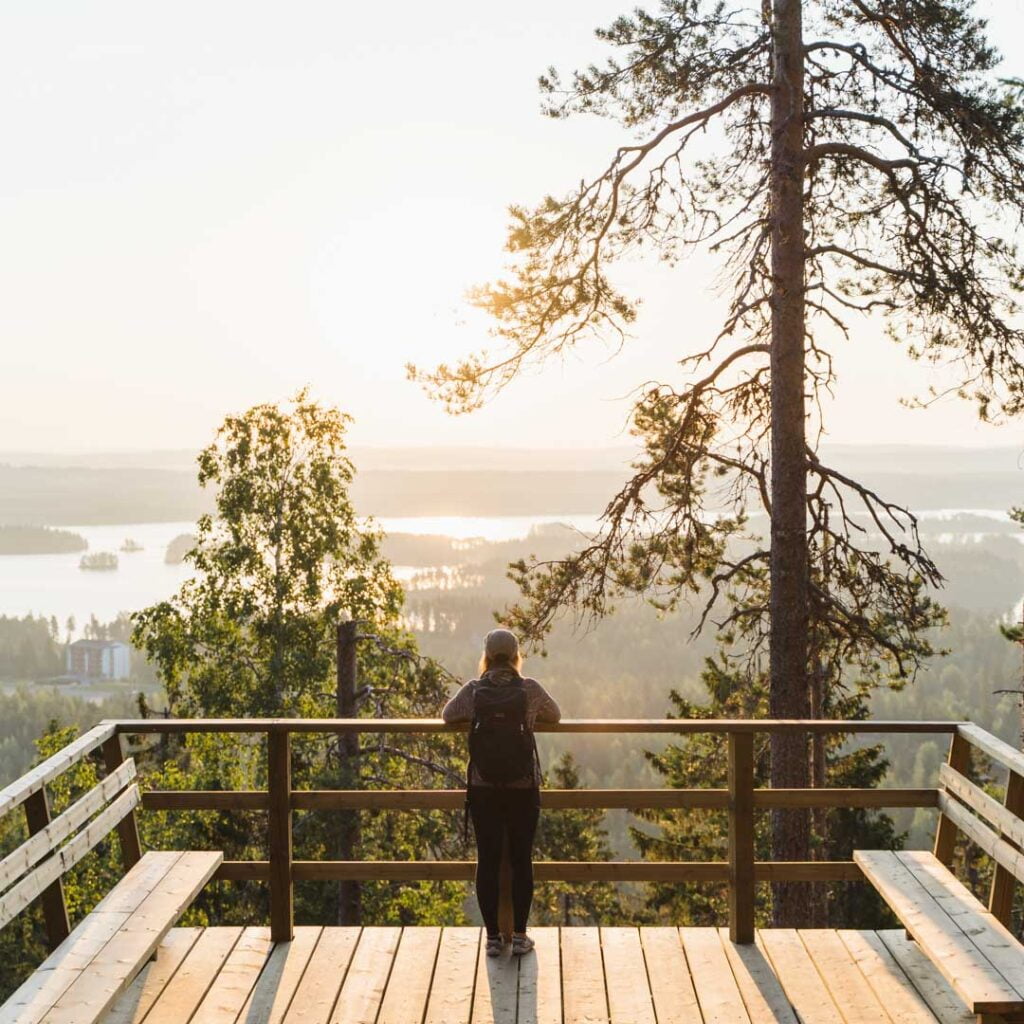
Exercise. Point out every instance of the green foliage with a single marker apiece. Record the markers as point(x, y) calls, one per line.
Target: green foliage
point(278, 565)
point(280, 562)
point(574, 835)
point(701, 762)
point(29, 712)
point(29, 648)
point(39, 540)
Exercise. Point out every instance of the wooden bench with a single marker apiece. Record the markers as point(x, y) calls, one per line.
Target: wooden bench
point(967, 942)
point(86, 971)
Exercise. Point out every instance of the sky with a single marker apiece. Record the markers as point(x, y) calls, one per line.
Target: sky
point(208, 205)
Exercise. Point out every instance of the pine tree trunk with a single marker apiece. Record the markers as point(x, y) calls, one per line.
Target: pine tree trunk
point(789, 579)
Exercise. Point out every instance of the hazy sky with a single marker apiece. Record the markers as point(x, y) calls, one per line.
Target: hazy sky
point(205, 205)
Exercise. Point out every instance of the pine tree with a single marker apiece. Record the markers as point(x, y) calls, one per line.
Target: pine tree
point(857, 160)
point(573, 835)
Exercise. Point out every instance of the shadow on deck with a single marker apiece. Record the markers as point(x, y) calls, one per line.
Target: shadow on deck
point(576, 975)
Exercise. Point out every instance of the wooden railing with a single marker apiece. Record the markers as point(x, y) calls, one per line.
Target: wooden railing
point(740, 800)
point(741, 871)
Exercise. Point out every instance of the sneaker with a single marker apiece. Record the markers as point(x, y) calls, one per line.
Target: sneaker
point(495, 944)
point(521, 944)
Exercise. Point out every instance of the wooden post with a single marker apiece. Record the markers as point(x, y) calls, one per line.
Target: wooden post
point(741, 837)
point(350, 892)
point(127, 827)
point(55, 911)
point(279, 779)
point(1004, 884)
point(506, 921)
point(945, 833)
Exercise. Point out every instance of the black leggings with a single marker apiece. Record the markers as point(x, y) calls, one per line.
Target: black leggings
point(497, 813)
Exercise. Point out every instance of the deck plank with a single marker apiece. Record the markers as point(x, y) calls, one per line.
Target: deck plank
point(577, 975)
point(902, 1002)
point(236, 979)
point(933, 988)
point(625, 972)
point(842, 977)
point(318, 989)
point(584, 999)
point(540, 980)
point(762, 994)
point(800, 980)
point(497, 985)
point(272, 995)
point(451, 994)
point(675, 1001)
point(363, 989)
point(144, 991)
point(405, 1000)
point(186, 988)
point(717, 992)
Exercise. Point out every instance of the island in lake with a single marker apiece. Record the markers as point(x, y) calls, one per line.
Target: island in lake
point(39, 540)
point(98, 561)
point(179, 548)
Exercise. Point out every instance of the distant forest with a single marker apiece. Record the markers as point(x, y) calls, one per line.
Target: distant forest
point(39, 540)
point(54, 496)
point(630, 662)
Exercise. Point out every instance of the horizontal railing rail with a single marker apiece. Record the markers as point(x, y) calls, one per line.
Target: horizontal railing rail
point(678, 726)
point(739, 801)
point(551, 799)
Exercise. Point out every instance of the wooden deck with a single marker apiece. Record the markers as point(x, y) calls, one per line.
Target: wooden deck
point(577, 975)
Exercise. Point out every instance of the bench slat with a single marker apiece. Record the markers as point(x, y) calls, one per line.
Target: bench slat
point(998, 945)
point(955, 953)
point(980, 834)
point(14, 901)
point(115, 966)
point(976, 798)
point(40, 991)
point(31, 852)
point(34, 780)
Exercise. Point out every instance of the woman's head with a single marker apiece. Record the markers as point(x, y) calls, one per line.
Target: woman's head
point(501, 650)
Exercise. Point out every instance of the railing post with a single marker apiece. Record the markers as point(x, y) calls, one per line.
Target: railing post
point(127, 827)
point(55, 911)
point(945, 832)
point(279, 784)
point(741, 837)
point(1004, 883)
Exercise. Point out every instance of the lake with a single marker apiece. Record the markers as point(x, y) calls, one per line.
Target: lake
point(54, 585)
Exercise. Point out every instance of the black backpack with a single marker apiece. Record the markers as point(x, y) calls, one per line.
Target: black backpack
point(501, 743)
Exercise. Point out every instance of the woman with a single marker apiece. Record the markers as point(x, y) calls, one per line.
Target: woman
point(510, 807)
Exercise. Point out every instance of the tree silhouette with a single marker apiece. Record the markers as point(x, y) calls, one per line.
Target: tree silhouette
point(848, 160)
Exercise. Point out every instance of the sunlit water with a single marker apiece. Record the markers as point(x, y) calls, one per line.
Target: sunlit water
point(54, 584)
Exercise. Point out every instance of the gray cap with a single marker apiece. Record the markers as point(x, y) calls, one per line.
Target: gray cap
point(499, 642)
